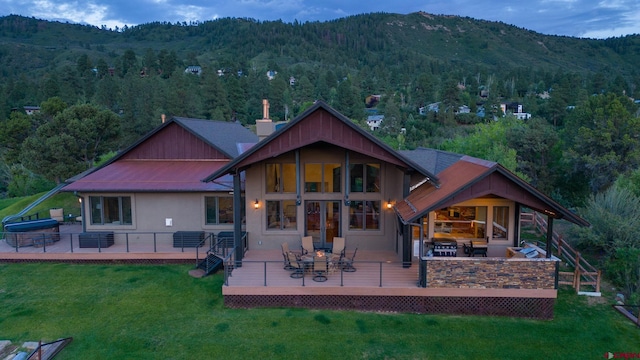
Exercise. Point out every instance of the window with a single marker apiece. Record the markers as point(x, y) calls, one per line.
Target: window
point(467, 222)
point(114, 210)
point(364, 215)
point(281, 178)
point(364, 177)
point(218, 210)
point(281, 215)
point(322, 178)
point(500, 222)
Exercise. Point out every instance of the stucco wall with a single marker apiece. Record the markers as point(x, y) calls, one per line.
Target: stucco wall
point(151, 211)
point(383, 239)
point(490, 273)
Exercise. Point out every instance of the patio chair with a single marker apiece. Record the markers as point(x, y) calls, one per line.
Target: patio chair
point(285, 255)
point(320, 268)
point(337, 250)
point(298, 269)
point(307, 245)
point(347, 263)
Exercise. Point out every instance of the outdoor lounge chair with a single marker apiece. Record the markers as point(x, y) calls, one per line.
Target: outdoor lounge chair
point(347, 263)
point(337, 251)
point(298, 269)
point(307, 245)
point(320, 268)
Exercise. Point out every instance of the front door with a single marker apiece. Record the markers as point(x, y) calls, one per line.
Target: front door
point(322, 222)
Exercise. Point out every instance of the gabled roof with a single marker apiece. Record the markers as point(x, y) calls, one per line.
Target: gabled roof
point(172, 157)
point(432, 160)
point(222, 135)
point(470, 178)
point(153, 176)
point(321, 124)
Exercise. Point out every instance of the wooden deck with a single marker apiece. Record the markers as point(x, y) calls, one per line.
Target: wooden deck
point(67, 249)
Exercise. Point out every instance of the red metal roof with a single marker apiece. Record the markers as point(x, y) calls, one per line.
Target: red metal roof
point(471, 178)
point(154, 175)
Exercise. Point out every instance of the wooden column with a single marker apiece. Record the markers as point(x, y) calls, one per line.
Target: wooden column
point(407, 246)
point(549, 235)
point(237, 218)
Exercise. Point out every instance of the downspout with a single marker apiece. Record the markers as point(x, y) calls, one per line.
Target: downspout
point(298, 170)
point(347, 183)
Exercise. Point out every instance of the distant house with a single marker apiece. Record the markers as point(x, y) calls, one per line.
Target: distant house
point(514, 109)
point(374, 121)
point(195, 70)
point(292, 81)
point(464, 109)
point(271, 74)
point(30, 110)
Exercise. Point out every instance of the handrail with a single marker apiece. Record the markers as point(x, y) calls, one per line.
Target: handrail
point(384, 278)
point(34, 204)
point(582, 268)
point(37, 353)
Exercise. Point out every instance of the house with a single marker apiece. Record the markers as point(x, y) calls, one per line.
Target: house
point(374, 121)
point(515, 109)
point(323, 177)
point(195, 70)
point(271, 74)
point(154, 185)
point(30, 110)
point(343, 182)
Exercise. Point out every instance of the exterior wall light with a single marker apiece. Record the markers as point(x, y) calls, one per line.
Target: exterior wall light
point(256, 204)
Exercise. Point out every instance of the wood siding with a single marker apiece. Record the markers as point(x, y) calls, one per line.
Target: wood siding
point(173, 143)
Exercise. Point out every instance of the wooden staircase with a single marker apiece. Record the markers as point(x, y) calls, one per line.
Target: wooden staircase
point(584, 278)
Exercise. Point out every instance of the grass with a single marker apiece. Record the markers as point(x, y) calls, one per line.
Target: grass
point(160, 312)
point(67, 201)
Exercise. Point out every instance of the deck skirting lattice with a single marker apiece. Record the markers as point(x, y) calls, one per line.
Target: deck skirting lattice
point(535, 308)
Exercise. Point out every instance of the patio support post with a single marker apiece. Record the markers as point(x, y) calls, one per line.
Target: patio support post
point(549, 235)
point(407, 246)
point(237, 219)
point(516, 237)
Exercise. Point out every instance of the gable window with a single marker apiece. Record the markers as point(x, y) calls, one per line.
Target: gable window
point(114, 210)
point(281, 178)
point(364, 215)
point(364, 178)
point(218, 210)
point(322, 178)
point(281, 215)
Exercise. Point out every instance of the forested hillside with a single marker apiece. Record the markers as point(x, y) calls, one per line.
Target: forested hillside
point(129, 77)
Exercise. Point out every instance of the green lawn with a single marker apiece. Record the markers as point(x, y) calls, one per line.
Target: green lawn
point(160, 312)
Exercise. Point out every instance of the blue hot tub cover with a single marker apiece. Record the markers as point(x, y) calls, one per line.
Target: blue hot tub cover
point(30, 225)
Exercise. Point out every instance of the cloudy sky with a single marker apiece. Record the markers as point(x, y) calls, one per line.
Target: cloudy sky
point(579, 18)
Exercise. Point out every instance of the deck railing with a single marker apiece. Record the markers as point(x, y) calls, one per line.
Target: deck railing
point(267, 273)
point(584, 274)
point(125, 242)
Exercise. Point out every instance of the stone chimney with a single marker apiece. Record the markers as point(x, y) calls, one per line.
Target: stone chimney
point(264, 126)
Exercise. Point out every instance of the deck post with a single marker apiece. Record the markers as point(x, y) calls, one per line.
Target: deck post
point(406, 230)
point(549, 235)
point(237, 219)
